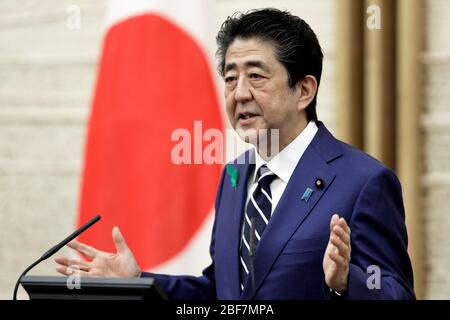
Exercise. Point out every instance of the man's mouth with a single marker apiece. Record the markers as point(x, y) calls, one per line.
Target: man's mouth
point(246, 115)
point(247, 118)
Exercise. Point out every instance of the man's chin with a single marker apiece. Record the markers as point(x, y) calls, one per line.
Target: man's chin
point(248, 135)
point(251, 135)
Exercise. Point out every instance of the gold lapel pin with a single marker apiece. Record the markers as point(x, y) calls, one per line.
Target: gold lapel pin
point(319, 183)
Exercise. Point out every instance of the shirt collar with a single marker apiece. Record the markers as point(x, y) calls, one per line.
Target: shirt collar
point(284, 163)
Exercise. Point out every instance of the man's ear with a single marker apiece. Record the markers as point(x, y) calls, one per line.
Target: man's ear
point(307, 88)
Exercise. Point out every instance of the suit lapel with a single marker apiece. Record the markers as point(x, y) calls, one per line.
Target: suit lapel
point(291, 210)
point(244, 169)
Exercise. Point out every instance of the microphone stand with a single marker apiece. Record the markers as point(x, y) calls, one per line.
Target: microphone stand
point(54, 249)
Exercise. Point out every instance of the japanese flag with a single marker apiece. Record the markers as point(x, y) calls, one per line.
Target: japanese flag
point(154, 77)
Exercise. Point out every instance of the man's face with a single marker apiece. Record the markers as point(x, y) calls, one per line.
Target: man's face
point(257, 94)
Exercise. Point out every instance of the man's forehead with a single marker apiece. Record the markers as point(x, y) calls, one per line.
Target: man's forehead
point(248, 64)
point(249, 53)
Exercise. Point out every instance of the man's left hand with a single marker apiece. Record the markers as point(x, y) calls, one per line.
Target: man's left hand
point(337, 255)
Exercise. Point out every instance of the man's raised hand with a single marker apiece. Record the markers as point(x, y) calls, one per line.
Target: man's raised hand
point(101, 264)
point(336, 261)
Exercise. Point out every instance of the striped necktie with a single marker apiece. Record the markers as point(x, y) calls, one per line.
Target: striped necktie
point(259, 209)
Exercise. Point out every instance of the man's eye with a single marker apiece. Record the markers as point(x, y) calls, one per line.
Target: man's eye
point(229, 79)
point(254, 76)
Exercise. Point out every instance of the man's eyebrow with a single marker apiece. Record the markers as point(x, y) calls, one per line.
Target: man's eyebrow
point(257, 64)
point(248, 64)
point(229, 66)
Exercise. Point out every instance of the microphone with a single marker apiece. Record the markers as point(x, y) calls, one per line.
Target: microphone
point(54, 249)
point(252, 252)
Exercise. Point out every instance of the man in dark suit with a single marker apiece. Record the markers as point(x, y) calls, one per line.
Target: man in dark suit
point(308, 217)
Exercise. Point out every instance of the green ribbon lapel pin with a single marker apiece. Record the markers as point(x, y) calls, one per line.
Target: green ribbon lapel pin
point(234, 175)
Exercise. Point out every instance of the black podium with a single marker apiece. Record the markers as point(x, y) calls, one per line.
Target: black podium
point(66, 288)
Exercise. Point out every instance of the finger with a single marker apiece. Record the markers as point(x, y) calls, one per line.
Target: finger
point(73, 263)
point(62, 261)
point(68, 271)
point(345, 239)
point(343, 249)
point(344, 236)
point(79, 264)
point(339, 260)
point(88, 251)
point(67, 261)
point(343, 224)
point(119, 241)
point(334, 220)
point(63, 270)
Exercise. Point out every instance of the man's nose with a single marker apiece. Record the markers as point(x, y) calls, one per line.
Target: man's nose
point(243, 92)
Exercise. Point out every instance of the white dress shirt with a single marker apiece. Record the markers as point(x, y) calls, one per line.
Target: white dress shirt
point(283, 164)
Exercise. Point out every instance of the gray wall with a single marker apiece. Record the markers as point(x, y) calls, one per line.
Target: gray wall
point(46, 76)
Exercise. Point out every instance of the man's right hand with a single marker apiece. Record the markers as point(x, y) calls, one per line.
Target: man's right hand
point(102, 264)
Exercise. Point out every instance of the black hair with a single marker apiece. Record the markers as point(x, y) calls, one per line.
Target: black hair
point(296, 45)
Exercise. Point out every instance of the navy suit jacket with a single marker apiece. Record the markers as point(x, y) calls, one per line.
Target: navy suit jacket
point(289, 256)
